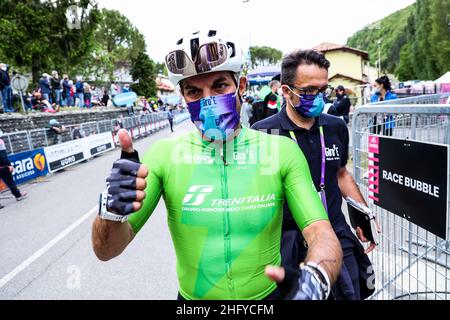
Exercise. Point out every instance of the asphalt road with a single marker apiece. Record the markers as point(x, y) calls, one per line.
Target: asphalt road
point(45, 240)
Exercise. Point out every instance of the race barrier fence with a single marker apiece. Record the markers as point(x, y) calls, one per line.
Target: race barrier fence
point(37, 156)
point(401, 164)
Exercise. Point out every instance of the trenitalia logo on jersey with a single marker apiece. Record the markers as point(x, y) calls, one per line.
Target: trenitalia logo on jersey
point(200, 192)
point(197, 196)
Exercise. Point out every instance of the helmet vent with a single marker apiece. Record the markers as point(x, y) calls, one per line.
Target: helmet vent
point(212, 33)
point(195, 44)
point(231, 45)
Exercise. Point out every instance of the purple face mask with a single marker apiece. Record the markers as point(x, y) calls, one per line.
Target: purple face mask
point(216, 116)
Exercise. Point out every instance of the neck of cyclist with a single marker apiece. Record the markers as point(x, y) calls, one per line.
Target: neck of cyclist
point(297, 119)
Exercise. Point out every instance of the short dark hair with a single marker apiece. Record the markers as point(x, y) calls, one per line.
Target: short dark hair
point(384, 80)
point(296, 58)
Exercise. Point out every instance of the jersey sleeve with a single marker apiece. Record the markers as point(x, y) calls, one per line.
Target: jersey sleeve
point(301, 195)
point(153, 190)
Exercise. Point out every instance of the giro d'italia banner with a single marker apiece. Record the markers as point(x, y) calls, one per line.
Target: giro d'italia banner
point(410, 179)
point(28, 165)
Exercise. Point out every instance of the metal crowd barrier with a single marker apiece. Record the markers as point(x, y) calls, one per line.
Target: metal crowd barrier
point(410, 262)
point(21, 141)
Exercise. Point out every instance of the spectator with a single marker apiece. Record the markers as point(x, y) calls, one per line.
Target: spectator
point(5, 88)
point(105, 98)
point(55, 83)
point(41, 104)
point(170, 118)
point(27, 102)
point(72, 93)
point(152, 106)
point(87, 95)
point(115, 89)
point(66, 90)
point(146, 106)
point(160, 104)
point(126, 88)
point(95, 97)
point(79, 89)
point(247, 111)
point(271, 100)
point(383, 92)
point(76, 133)
point(6, 171)
point(44, 87)
point(118, 125)
point(342, 104)
point(55, 131)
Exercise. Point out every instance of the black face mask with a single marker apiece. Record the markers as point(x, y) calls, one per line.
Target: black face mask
point(338, 95)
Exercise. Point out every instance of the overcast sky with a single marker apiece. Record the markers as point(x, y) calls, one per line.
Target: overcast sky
point(282, 24)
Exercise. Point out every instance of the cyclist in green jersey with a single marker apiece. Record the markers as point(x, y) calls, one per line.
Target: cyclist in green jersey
point(224, 187)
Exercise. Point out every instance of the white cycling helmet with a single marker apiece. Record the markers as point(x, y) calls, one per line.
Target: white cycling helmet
point(203, 52)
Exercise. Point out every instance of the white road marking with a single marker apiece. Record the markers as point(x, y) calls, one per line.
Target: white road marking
point(44, 249)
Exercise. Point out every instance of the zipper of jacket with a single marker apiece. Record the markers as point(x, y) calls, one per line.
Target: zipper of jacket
point(226, 224)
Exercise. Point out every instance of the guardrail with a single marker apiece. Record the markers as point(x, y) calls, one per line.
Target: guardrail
point(33, 153)
point(20, 141)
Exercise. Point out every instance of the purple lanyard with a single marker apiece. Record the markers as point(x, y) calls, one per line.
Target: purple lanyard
point(322, 173)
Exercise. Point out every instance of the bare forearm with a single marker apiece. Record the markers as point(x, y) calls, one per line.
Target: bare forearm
point(324, 248)
point(348, 186)
point(110, 238)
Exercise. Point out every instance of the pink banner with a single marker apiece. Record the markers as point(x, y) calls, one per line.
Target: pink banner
point(374, 145)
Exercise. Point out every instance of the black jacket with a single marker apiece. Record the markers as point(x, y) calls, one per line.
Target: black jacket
point(55, 83)
point(341, 108)
point(4, 79)
point(4, 161)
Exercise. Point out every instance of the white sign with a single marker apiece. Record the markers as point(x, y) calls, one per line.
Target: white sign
point(100, 143)
point(65, 154)
point(19, 83)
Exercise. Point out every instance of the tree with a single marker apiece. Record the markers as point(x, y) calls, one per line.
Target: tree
point(144, 71)
point(261, 56)
point(415, 40)
point(405, 69)
point(391, 31)
point(117, 42)
point(35, 35)
point(161, 68)
point(440, 35)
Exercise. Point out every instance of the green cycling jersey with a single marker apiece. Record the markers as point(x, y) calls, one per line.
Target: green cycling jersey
point(225, 206)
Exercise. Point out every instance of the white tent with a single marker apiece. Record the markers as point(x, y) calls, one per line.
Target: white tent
point(444, 79)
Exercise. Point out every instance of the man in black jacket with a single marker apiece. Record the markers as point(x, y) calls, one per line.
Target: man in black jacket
point(5, 89)
point(324, 141)
point(6, 170)
point(55, 83)
point(341, 106)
